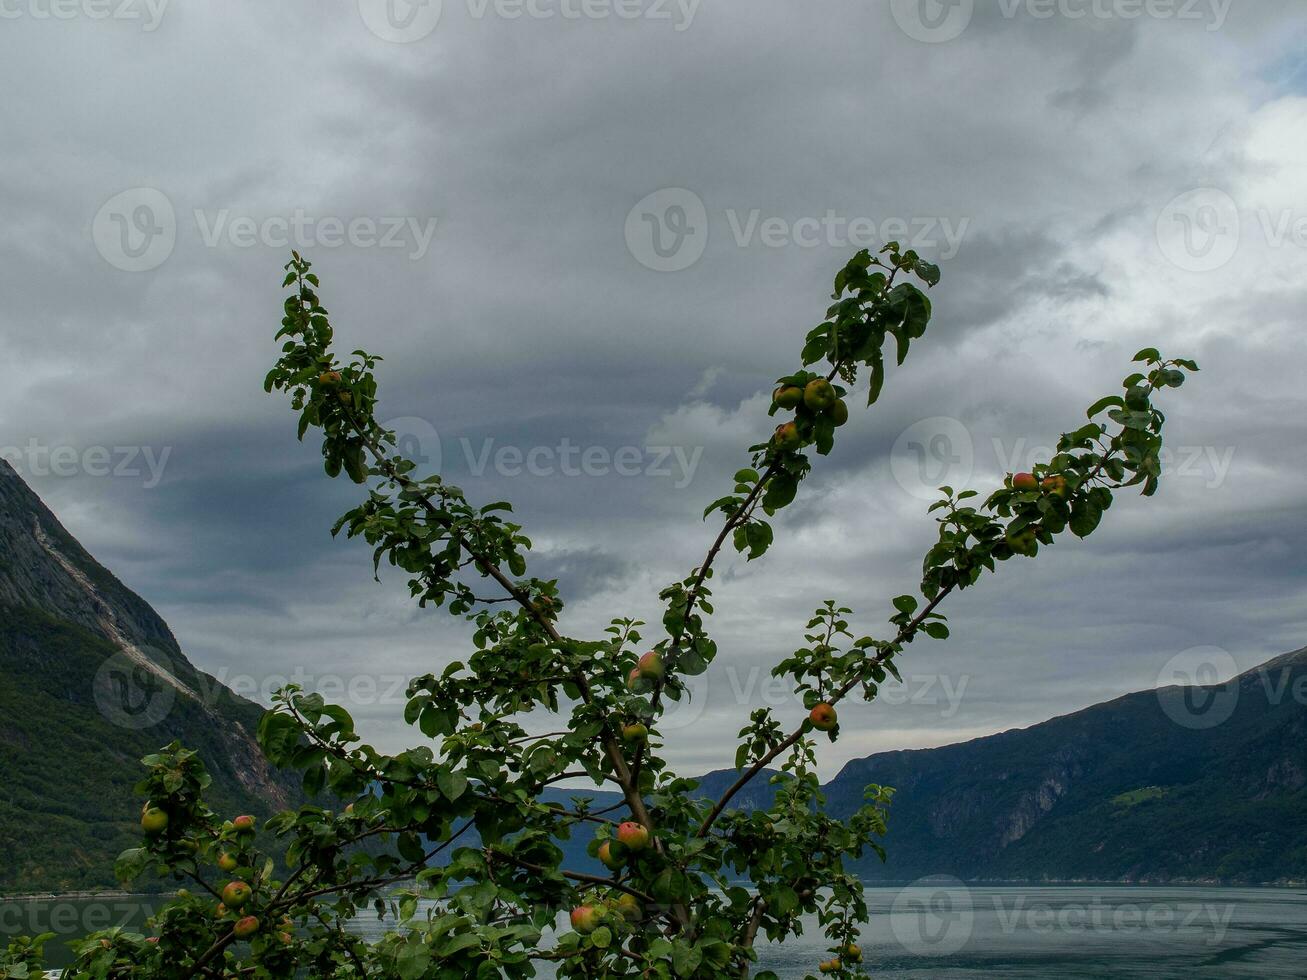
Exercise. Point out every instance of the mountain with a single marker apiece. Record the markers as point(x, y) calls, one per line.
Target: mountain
point(1203, 784)
point(91, 681)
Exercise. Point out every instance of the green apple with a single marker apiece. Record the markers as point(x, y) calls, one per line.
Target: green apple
point(612, 855)
point(628, 907)
point(787, 396)
point(154, 821)
point(634, 733)
point(1024, 542)
point(819, 395)
point(236, 894)
point(839, 412)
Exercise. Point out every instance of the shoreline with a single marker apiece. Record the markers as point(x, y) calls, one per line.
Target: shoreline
point(80, 896)
point(1291, 885)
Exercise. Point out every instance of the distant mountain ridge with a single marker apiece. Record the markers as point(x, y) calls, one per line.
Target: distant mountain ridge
point(1198, 784)
point(92, 680)
point(1152, 787)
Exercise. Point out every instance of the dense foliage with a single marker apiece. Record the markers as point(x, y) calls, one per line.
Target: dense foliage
point(670, 905)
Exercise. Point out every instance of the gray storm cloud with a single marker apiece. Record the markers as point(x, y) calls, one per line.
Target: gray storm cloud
point(1091, 184)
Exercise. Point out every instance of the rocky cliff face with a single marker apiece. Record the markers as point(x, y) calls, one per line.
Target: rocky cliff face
point(1145, 788)
point(92, 679)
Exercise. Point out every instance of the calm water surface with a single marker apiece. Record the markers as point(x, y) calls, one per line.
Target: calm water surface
point(950, 931)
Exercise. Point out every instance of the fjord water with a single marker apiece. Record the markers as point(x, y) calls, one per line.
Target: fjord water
point(951, 931)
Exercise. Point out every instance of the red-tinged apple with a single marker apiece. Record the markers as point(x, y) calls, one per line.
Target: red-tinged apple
point(634, 836)
point(1024, 481)
point(236, 894)
point(244, 822)
point(246, 927)
point(787, 436)
point(329, 378)
point(1055, 484)
point(228, 863)
point(154, 821)
point(633, 680)
point(612, 855)
point(651, 666)
point(819, 395)
point(286, 938)
point(585, 919)
point(823, 717)
point(787, 396)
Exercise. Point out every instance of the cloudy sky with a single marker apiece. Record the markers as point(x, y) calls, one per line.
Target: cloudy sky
point(597, 231)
